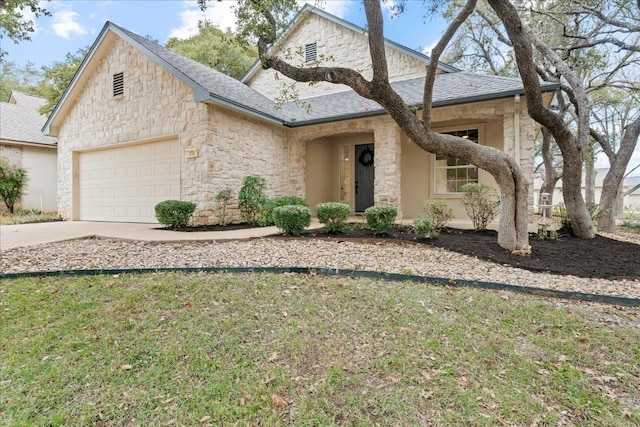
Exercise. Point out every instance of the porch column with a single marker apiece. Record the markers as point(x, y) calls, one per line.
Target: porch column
point(388, 146)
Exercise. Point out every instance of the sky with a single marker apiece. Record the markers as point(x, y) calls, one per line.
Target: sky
point(75, 24)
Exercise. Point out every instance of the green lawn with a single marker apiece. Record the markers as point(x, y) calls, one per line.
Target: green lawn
point(269, 350)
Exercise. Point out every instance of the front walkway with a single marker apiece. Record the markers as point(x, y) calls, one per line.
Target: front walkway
point(12, 236)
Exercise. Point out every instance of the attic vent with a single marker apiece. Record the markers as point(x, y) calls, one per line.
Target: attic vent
point(118, 84)
point(310, 52)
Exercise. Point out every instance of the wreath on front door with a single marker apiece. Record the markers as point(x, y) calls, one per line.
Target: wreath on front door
point(366, 157)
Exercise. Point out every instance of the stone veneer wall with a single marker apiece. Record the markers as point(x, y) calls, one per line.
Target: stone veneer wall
point(155, 104)
point(349, 49)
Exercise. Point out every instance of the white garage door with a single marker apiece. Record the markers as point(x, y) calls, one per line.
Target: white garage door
point(124, 184)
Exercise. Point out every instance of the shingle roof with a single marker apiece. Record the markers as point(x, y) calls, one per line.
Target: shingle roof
point(21, 122)
point(210, 85)
point(449, 89)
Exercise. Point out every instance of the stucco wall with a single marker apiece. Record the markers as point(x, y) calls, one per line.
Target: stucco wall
point(157, 105)
point(40, 164)
point(348, 48)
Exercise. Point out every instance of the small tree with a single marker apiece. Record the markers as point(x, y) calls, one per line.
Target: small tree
point(481, 204)
point(251, 199)
point(13, 181)
point(223, 198)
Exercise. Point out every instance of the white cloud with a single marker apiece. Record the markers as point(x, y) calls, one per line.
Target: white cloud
point(338, 8)
point(65, 24)
point(219, 14)
point(427, 50)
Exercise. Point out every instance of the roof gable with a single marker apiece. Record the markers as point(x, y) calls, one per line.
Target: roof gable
point(309, 9)
point(207, 84)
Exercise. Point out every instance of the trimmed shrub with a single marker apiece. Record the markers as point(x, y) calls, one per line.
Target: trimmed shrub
point(251, 199)
point(380, 218)
point(13, 181)
point(438, 211)
point(333, 215)
point(266, 214)
point(425, 227)
point(174, 213)
point(223, 198)
point(481, 203)
point(292, 219)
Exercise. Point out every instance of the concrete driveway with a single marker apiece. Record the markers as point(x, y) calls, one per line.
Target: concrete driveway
point(12, 236)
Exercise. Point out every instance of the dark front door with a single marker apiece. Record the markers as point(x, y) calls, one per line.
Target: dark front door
point(364, 176)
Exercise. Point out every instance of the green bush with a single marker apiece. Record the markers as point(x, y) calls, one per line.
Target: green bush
point(251, 199)
point(438, 211)
point(333, 215)
point(380, 218)
point(223, 198)
point(13, 182)
point(481, 203)
point(631, 221)
point(266, 217)
point(425, 227)
point(292, 219)
point(174, 213)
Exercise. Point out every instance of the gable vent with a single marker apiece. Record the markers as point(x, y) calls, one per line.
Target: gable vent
point(310, 52)
point(118, 84)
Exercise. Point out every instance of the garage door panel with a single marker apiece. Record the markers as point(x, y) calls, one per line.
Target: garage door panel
point(125, 183)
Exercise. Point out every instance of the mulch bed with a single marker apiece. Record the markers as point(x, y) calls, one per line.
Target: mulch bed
point(600, 257)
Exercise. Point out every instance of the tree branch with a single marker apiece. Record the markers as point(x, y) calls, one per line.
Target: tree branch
point(427, 100)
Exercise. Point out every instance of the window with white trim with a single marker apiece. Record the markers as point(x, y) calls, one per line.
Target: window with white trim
point(310, 52)
point(118, 84)
point(452, 172)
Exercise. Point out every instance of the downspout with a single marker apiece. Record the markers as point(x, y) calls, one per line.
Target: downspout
point(516, 130)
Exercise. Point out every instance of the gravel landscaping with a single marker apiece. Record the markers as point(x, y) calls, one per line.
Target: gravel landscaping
point(392, 257)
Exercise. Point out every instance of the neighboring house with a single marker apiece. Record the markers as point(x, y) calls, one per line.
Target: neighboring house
point(23, 144)
point(630, 201)
point(140, 124)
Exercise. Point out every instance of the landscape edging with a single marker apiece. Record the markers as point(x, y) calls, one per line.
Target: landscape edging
point(397, 277)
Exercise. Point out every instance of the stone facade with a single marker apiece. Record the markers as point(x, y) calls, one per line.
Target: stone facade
point(219, 146)
point(157, 105)
point(347, 48)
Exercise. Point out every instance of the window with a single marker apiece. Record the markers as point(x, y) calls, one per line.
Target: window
point(310, 52)
point(451, 172)
point(118, 84)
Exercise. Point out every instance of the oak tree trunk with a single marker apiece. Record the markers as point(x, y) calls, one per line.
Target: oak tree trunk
point(612, 183)
point(572, 146)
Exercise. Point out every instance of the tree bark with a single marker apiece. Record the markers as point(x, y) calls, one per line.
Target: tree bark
point(590, 182)
point(613, 180)
point(572, 147)
point(512, 233)
point(551, 176)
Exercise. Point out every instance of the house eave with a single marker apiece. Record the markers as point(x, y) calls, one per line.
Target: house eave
point(211, 98)
point(29, 144)
point(419, 106)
